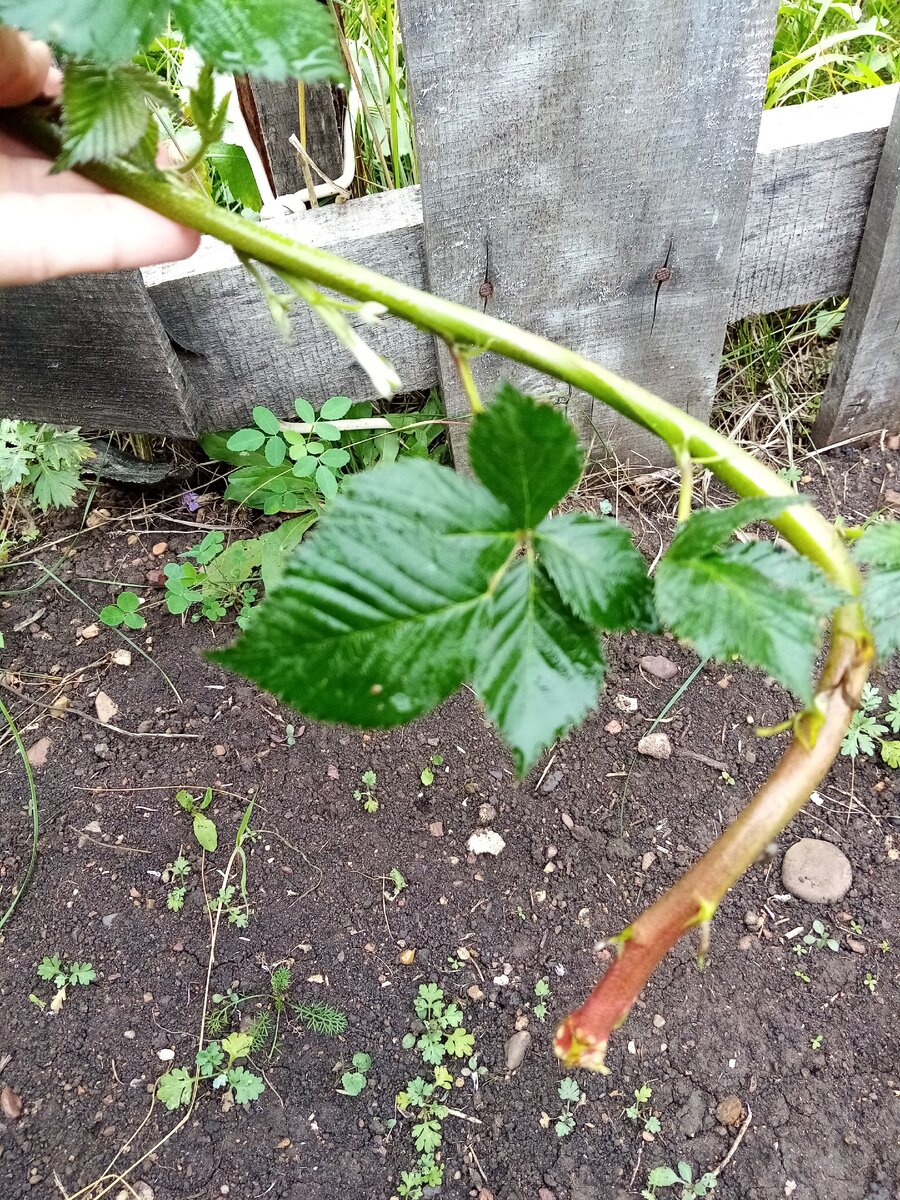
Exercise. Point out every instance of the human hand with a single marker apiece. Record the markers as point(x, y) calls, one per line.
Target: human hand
point(52, 225)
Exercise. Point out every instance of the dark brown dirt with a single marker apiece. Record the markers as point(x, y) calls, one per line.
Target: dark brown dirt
point(824, 1121)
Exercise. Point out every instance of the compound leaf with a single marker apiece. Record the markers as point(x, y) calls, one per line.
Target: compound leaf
point(526, 453)
point(597, 570)
point(384, 606)
point(274, 39)
point(539, 668)
point(879, 547)
point(748, 599)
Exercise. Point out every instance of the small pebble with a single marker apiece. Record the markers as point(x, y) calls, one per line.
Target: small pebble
point(516, 1047)
point(485, 841)
point(816, 871)
point(655, 745)
point(10, 1104)
point(659, 666)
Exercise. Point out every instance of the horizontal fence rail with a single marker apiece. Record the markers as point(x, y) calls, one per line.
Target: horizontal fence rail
point(192, 347)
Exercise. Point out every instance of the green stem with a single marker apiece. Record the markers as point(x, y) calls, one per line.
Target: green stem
point(685, 483)
point(461, 362)
point(392, 85)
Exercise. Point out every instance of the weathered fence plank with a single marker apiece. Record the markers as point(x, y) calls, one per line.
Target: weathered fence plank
point(793, 250)
point(588, 166)
point(277, 116)
point(230, 351)
point(91, 350)
point(812, 181)
point(863, 392)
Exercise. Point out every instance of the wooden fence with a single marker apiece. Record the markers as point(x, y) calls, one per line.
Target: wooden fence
point(595, 172)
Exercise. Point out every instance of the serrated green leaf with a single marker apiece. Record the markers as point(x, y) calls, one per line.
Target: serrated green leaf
point(597, 571)
point(49, 967)
point(105, 110)
point(53, 489)
point(237, 1045)
point(82, 973)
point(335, 408)
point(209, 1059)
point(384, 605)
point(749, 599)
point(108, 32)
point(274, 39)
point(205, 832)
point(526, 453)
point(711, 528)
point(879, 548)
point(569, 1089)
point(426, 1136)
point(174, 1088)
point(460, 1043)
point(890, 753)
point(245, 1084)
point(539, 668)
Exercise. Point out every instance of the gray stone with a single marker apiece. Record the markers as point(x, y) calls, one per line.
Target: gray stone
point(816, 871)
point(659, 666)
point(516, 1047)
point(655, 745)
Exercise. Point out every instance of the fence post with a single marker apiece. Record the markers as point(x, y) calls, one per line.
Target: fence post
point(272, 113)
point(863, 391)
point(585, 169)
point(91, 350)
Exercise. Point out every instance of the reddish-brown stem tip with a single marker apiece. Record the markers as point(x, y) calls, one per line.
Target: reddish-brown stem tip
point(582, 1038)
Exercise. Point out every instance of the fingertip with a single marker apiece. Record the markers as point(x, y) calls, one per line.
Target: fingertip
point(24, 67)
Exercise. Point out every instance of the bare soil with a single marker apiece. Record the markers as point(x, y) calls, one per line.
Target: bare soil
point(821, 1123)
